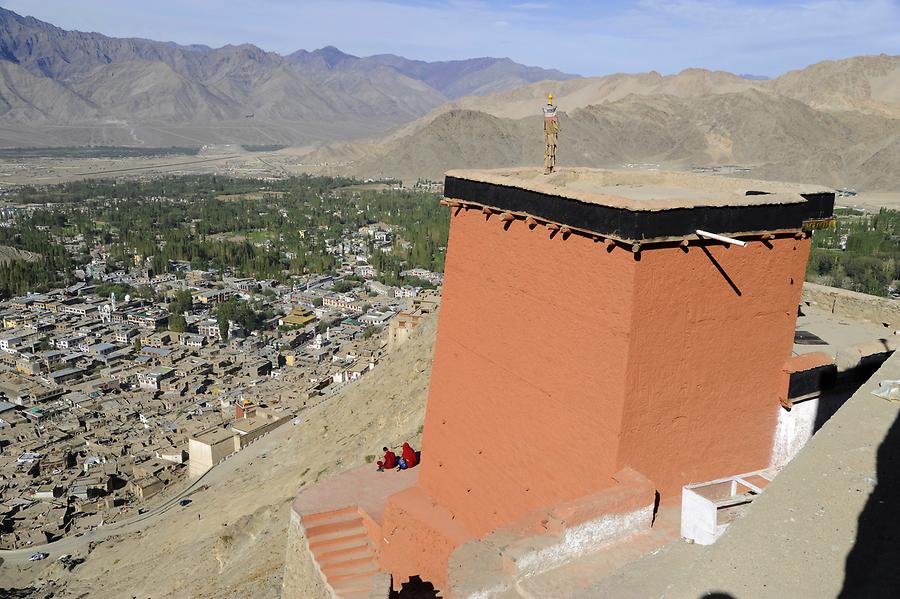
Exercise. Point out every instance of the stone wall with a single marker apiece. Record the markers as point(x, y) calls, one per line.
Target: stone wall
point(852, 304)
point(302, 579)
point(242, 441)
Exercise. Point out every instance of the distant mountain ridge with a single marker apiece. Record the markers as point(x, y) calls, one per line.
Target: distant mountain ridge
point(60, 87)
point(453, 78)
point(835, 123)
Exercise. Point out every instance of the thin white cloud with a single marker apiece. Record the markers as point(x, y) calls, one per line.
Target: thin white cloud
point(531, 6)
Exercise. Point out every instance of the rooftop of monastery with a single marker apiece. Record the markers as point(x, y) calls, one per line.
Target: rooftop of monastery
point(644, 190)
point(642, 205)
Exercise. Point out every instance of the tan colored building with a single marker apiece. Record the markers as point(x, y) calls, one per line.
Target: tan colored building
point(145, 488)
point(401, 326)
point(207, 448)
point(212, 297)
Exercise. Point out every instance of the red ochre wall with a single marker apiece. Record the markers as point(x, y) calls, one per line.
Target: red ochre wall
point(705, 361)
point(557, 363)
point(525, 399)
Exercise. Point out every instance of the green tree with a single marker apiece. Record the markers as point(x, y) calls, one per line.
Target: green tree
point(182, 302)
point(177, 323)
point(224, 325)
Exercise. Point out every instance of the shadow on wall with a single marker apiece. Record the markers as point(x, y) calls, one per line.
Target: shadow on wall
point(847, 384)
point(829, 403)
point(721, 270)
point(717, 595)
point(873, 566)
point(416, 588)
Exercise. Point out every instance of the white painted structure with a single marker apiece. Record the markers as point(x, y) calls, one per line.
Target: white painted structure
point(794, 428)
point(580, 540)
point(708, 508)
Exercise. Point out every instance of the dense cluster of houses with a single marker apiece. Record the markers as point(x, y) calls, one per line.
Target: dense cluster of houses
point(103, 407)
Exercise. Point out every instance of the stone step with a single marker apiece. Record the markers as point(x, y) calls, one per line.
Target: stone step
point(347, 513)
point(350, 566)
point(321, 545)
point(337, 555)
point(364, 573)
point(337, 535)
point(320, 530)
point(577, 578)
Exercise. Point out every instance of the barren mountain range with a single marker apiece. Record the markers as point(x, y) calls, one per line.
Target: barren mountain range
point(837, 123)
point(61, 87)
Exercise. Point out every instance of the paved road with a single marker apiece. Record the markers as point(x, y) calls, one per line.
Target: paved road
point(71, 545)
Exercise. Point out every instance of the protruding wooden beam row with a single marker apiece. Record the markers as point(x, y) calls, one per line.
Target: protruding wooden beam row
point(506, 218)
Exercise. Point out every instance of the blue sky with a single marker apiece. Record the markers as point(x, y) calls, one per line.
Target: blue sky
point(764, 37)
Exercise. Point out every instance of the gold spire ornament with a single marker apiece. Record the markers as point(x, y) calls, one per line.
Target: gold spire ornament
point(551, 130)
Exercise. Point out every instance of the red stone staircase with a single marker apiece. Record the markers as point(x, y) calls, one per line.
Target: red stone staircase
point(341, 520)
point(340, 544)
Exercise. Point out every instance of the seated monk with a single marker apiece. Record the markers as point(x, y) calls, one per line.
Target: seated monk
point(389, 461)
point(409, 455)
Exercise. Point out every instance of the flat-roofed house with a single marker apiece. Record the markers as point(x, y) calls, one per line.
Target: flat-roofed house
point(207, 448)
point(151, 379)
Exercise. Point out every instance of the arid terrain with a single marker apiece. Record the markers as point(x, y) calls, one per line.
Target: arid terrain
point(834, 123)
point(229, 159)
point(230, 541)
point(72, 88)
point(244, 112)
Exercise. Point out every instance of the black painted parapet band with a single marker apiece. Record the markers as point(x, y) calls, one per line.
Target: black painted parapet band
point(624, 223)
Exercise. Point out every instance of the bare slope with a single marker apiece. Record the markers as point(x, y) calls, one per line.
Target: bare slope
point(452, 78)
point(866, 83)
point(61, 87)
point(780, 138)
point(236, 546)
point(579, 93)
point(834, 122)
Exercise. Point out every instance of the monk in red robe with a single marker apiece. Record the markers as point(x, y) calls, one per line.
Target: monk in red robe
point(409, 455)
point(389, 461)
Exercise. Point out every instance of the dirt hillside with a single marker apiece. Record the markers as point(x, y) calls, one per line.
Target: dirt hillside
point(236, 548)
